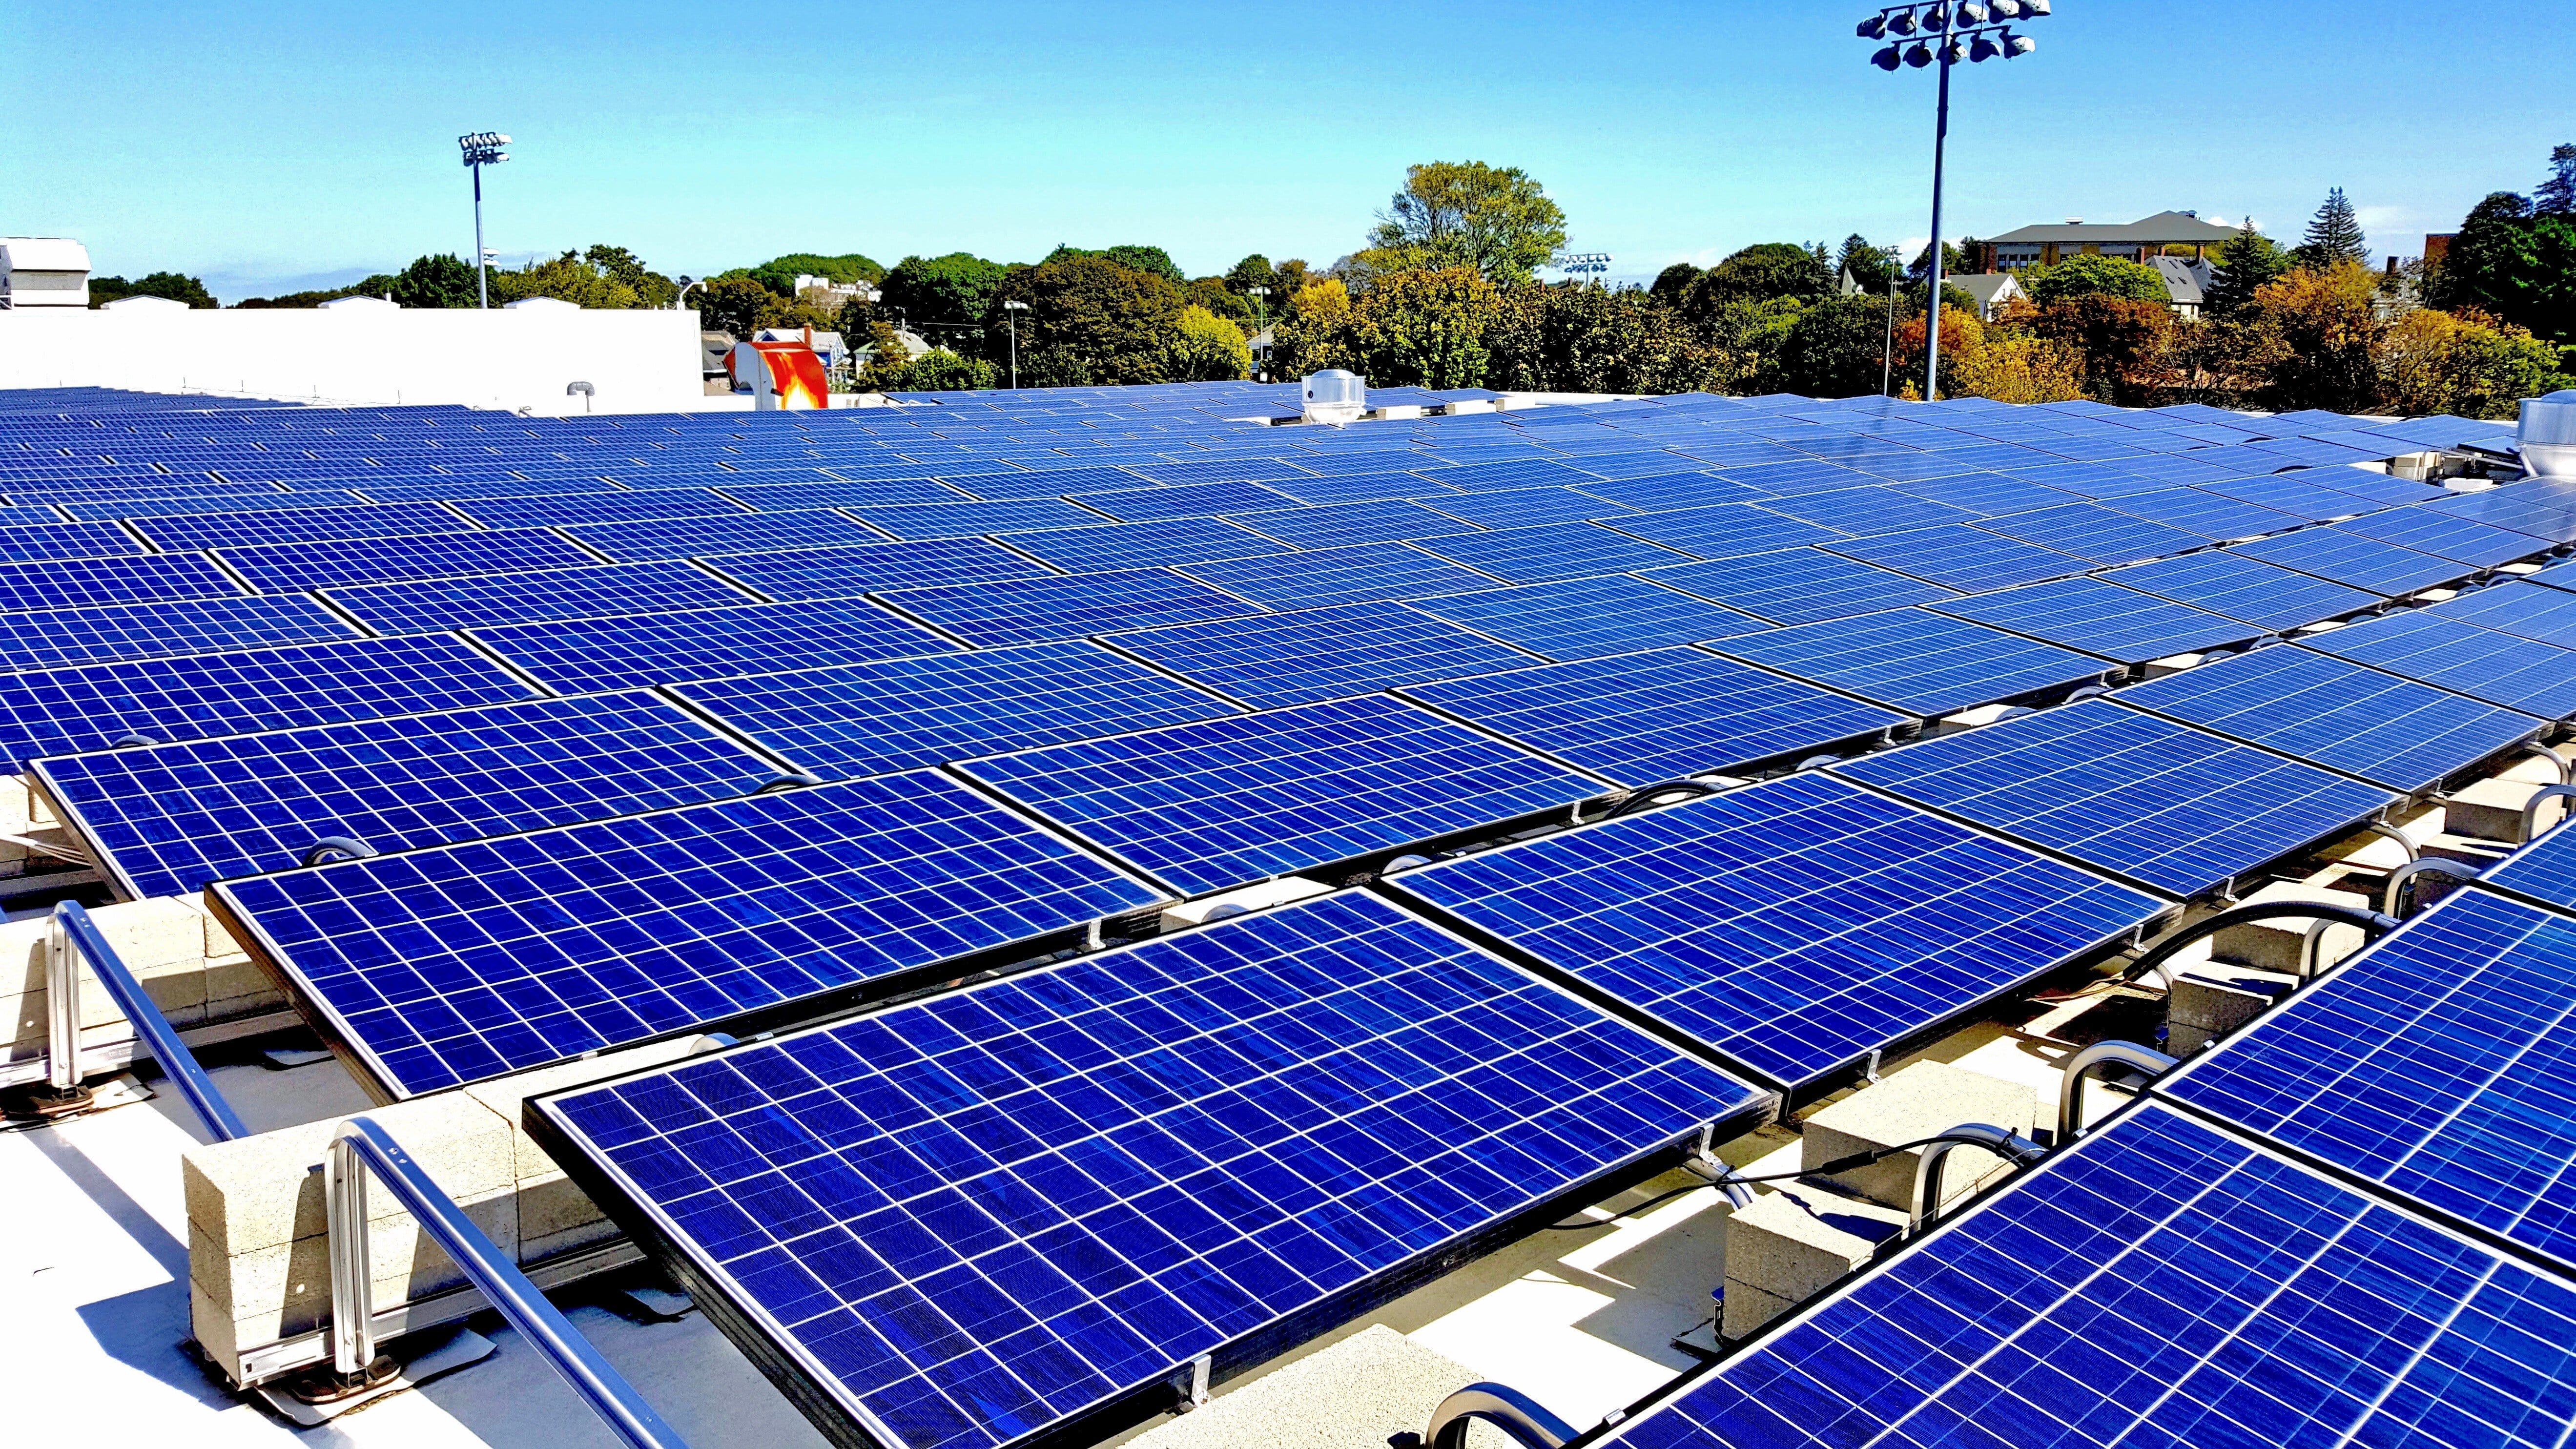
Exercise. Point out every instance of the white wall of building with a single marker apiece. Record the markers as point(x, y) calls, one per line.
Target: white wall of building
point(512, 359)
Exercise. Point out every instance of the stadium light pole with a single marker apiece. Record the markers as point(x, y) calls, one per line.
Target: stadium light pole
point(1887, 362)
point(1012, 311)
point(1594, 263)
point(481, 149)
point(1951, 33)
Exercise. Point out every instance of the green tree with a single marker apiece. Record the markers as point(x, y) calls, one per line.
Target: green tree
point(2120, 341)
point(1744, 342)
point(940, 370)
point(626, 269)
point(2334, 235)
point(1316, 332)
point(779, 274)
point(733, 305)
point(170, 285)
point(1204, 347)
point(2245, 263)
point(2318, 338)
point(443, 280)
point(2557, 195)
point(1673, 283)
point(2516, 265)
point(1091, 322)
point(955, 290)
point(2096, 276)
point(1151, 260)
point(1954, 260)
point(1253, 271)
point(1593, 339)
point(567, 278)
point(1866, 262)
point(1495, 221)
point(1424, 328)
point(1837, 347)
point(1758, 273)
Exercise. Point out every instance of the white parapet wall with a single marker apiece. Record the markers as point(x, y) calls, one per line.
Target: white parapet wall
point(512, 359)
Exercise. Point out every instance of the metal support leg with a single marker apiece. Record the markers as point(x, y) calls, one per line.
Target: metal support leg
point(355, 1365)
point(61, 1093)
point(73, 939)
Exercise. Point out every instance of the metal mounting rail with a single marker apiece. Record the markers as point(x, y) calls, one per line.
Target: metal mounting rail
point(361, 1152)
point(2370, 923)
point(2080, 1069)
point(1508, 1409)
point(72, 937)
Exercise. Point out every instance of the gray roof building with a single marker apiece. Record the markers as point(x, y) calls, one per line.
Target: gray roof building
point(2041, 246)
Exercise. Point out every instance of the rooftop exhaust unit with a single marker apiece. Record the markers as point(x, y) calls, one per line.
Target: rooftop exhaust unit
point(2546, 437)
point(1335, 396)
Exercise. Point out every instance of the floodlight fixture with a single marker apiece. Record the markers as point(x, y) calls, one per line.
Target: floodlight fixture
point(2018, 45)
point(479, 149)
point(1011, 314)
point(1594, 263)
point(1956, 52)
point(1971, 13)
point(1983, 49)
point(1874, 28)
point(1918, 55)
point(2005, 9)
point(1937, 18)
point(2034, 7)
point(1902, 22)
point(1888, 59)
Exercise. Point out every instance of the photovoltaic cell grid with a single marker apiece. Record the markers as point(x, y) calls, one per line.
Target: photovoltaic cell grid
point(2121, 625)
point(169, 819)
point(1795, 926)
point(2434, 1064)
point(143, 578)
point(2273, 1307)
point(1799, 586)
point(2523, 674)
point(870, 719)
point(1358, 573)
point(1924, 663)
point(105, 632)
point(1034, 611)
point(601, 591)
point(1959, 557)
point(2363, 563)
point(2175, 808)
point(676, 538)
point(449, 965)
point(90, 707)
point(1243, 798)
point(41, 542)
point(1133, 1160)
point(1277, 659)
point(842, 573)
point(1111, 546)
point(1642, 719)
point(296, 525)
point(2242, 588)
point(285, 568)
point(1588, 618)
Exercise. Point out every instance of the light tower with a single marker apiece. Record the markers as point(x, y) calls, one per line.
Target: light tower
point(482, 148)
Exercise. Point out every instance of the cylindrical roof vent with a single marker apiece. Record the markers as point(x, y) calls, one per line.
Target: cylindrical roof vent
point(2546, 437)
point(1335, 396)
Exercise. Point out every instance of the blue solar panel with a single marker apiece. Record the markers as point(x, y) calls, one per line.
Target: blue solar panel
point(841, 573)
point(2543, 512)
point(1033, 611)
point(2435, 1065)
point(875, 718)
point(2119, 624)
point(1641, 719)
point(1799, 585)
point(1959, 557)
point(1043, 482)
point(2527, 610)
point(1191, 500)
point(1142, 545)
point(2243, 588)
point(1663, 492)
point(93, 706)
point(787, 497)
point(423, 490)
point(1586, 618)
point(1526, 507)
point(1132, 1168)
point(1380, 521)
point(166, 820)
point(2363, 563)
point(285, 568)
point(1360, 573)
point(1988, 493)
point(294, 525)
point(964, 520)
point(1551, 552)
point(1868, 510)
point(2296, 494)
point(1795, 926)
point(39, 542)
point(1911, 659)
point(2443, 536)
point(2542, 871)
point(1359, 487)
point(1725, 530)
point(2211, 515)
point(1229, 801)
point(449, 965)
point(597, 507)
point(2288, 1310)
point(2535, 678)
point(2176, 808)
point(580, 655)
point(659, 539)
point(1789, 479)
point(601, 591)
point(1317, 654)
point(2093, 531)
point(2389, 731)
point(1512, 473)
point(148, 631)
point(143, 578)
point(1220, 470)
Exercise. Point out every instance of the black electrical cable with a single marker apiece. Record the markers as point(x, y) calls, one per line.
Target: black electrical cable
point(1839, 1164)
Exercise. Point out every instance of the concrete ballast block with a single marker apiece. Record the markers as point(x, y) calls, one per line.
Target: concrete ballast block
point(1921, 1101)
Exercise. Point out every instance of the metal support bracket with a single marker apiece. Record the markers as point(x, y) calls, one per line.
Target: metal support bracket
point(1191, 1383)
point(72, 938)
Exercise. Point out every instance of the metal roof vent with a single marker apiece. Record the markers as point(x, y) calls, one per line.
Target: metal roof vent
point(2546, 437)
point(1335, 396)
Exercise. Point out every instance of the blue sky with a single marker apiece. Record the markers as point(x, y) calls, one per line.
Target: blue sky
point(287, 145)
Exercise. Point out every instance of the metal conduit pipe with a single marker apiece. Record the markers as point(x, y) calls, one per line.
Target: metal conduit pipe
point(2012, 1147)
point(72, 937)
point(2382, 827)
point(1515, 1413)
point(2394, 899)
point(2371, 923)
point(2566, 768)
point(363, 1152)
point(2081, 1067)
point(2540, 797)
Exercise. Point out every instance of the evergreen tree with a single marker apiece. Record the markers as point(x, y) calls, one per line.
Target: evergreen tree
point(2245, 261)
point(2557, 195)
point(2334, 235)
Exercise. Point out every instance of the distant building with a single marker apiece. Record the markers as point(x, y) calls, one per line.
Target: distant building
point(2187, 283)
point(1991, 289)
point(2042, 246)
point(827, 345)
point(833, 293)
point(43, 271)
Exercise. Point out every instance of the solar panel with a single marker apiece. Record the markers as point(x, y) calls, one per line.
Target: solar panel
point(1381, 521)
point(1206, 1145)
point(94, 706)
point(2119, 624)
point(1317, 654)
point(660, 539)
point(1785, 480)
point(2527, 610)
point(1794, 927)
point(176, 532)
point(1033, 611)
point(1664, 492)
point(143, 578)
point(1924, 663)
point(2431, 1065)
point(787, 497)
point(2296, 494)
point(578, 656)
point(1587, 618)
point(2443, 536)
point(145, 631)
point(1988, 493)
point(1041, 482)
point(1867, 510)
point(2535, 678)
point(1359, 573)
point(41, 542)
point(2393, 732)
point(1359, 487)
point(2299, 1312)
point(286, 568)
point(2363, 563)
point(1726, 530)
point(1550, 552)
point(2095, 532)
point(1229, 801)
point(900, 714)
point(2211, 515)
point(1513, 473)
point(2543, 871)
point(1956, 556)
point(1799, 585)
point(1188, 500)
point(1526, 507)
point(1642, 719)
point(600, 591)
point(164, 821)
point(1142, 545)
point(2523, 508)
point(2244, 588)
point(841, 573)
point(964, 520)
point(2175, 808)
point(1221, 470)
point(449, 965)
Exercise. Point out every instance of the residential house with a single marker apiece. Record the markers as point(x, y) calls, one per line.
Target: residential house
point(1991, 289)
